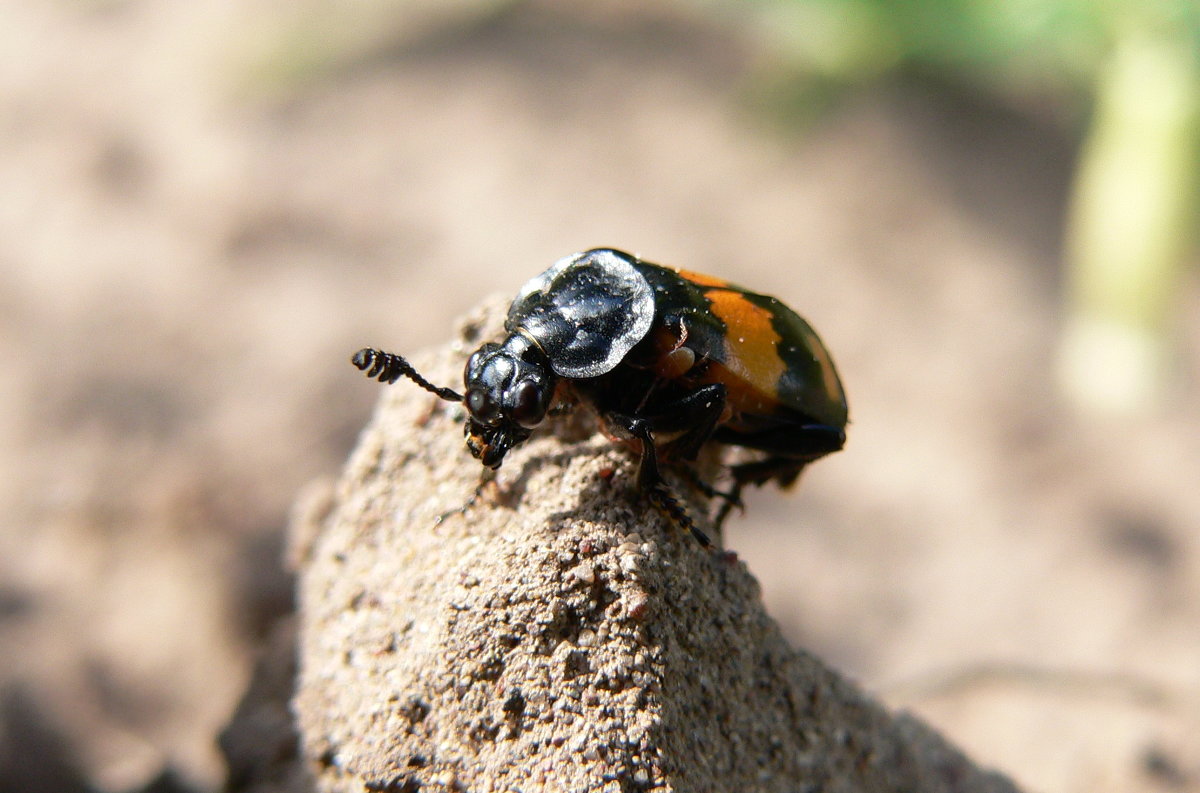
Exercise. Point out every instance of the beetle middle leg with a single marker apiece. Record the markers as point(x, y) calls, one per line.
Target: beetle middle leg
point(695, 416)
point(663, 498)
point(650, 479)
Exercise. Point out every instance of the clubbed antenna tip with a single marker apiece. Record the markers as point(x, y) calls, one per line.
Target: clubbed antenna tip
point(387, 367)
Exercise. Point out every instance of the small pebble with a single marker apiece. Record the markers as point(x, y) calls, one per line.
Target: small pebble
point(637, 607)
point(584, 573)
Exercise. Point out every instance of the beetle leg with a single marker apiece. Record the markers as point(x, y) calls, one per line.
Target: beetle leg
point(728, 506)
point(665, 500)
point(650, 479)
point(734, 500)
point(697, 414)
point(639, 428)
point(708, 490)
point(694, 417)
point(784, 470)
point(789, 450)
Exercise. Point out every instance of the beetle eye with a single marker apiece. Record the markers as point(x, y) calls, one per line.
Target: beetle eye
point(482, 406)
point(526, 404)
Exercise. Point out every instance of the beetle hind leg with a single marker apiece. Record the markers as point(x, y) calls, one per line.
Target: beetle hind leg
point(709, 491)
point(789, 449)
point(783, 470)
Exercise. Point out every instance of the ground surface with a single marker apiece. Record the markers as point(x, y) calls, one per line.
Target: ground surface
point(557, 635)
point(205, 207)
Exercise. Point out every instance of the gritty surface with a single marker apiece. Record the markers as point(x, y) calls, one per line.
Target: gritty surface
point(557, 635)
point(206, 207)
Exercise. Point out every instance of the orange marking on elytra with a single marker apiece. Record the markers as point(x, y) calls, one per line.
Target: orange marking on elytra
point(753, 363)
point(702, 279)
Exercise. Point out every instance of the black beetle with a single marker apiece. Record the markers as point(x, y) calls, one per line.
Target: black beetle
point(668, 359)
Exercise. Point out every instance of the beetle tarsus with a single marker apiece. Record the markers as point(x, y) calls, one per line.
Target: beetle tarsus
point(733, 498)
point(665, 500)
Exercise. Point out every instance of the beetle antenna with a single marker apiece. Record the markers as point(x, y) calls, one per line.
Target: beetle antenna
point(388, 367)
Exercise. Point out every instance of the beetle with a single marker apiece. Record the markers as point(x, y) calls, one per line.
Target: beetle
point(669, 359)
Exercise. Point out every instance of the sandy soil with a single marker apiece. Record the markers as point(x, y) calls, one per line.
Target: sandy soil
point(557, 634)
point(204, 208)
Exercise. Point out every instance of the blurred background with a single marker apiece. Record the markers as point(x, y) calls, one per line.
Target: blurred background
point(983, 207)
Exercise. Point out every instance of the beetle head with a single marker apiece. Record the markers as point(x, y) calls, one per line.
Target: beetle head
point(509, 388)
